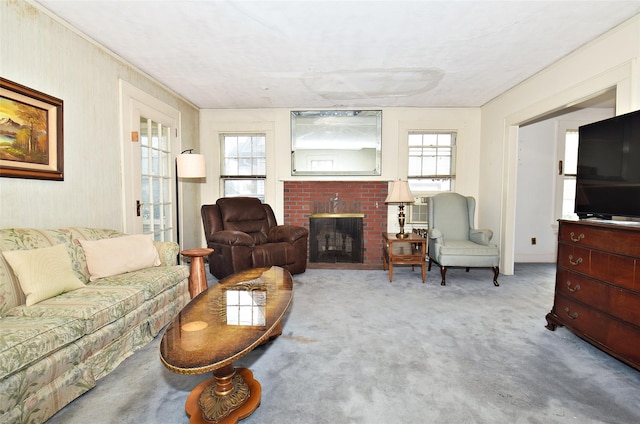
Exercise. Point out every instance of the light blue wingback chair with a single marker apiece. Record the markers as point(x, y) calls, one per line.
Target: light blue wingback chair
point(453, 240)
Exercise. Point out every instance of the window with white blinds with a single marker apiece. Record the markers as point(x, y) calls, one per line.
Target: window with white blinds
point(569, 171)
point(431, 161)
point(431, 168)
point(243, 165)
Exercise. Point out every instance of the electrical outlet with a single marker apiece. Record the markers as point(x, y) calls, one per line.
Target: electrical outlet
point(533, 240)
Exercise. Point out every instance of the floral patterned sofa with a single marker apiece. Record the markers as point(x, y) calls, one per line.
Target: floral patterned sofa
point(55, 346)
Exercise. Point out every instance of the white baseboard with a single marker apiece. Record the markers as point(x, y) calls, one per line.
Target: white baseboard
point(535, 258)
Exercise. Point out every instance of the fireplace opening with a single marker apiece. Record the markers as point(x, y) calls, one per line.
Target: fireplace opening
point(336, 238)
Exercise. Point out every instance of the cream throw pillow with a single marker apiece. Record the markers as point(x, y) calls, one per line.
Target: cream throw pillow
point(43, 273)
point(113, 256)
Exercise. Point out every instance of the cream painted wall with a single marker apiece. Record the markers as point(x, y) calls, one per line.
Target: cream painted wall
point(396, 122)
point(538, 182)
point(609, 61)
point(38, 51)
point(535, 194)
point(465, 121)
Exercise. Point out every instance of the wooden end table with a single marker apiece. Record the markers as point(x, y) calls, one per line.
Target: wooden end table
point(197, 274)
point(218, 327)
point(413, 254)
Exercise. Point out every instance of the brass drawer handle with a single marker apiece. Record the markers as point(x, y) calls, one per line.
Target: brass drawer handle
point(573, 315)
point(574, 238)
point(574, 289)
point(576, 262)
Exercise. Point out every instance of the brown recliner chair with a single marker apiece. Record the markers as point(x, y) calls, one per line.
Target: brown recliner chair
point(243, 233)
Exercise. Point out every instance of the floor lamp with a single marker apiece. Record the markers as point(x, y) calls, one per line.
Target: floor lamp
point(399, 195)
point(188, 165)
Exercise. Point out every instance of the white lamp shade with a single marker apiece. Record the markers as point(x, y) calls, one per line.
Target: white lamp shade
point(400, 193)
point(191, 165)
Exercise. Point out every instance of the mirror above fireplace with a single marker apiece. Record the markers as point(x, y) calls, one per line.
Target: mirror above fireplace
point(336, 142)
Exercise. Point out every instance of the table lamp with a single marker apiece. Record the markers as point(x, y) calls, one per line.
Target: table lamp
point(399, 195)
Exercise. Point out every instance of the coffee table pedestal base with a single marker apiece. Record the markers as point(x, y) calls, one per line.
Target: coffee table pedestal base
point(231, 395)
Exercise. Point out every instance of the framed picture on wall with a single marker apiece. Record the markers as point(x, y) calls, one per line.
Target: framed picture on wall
point(31, 137)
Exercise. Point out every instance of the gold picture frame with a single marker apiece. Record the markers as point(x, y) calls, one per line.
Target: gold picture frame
point(31, 136)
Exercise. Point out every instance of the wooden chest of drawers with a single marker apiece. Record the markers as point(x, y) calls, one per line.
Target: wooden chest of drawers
point(597, 293)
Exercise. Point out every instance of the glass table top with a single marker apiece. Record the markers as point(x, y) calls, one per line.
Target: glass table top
point(227, 321)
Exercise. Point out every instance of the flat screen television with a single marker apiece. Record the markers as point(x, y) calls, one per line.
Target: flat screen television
point(608, 175)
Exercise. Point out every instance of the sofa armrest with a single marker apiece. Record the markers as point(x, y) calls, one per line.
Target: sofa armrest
point(482, 237)
point(168, 252)
point(286, 233)
point(231, 238)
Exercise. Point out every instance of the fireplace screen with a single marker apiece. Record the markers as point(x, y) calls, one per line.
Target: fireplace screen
point(336, 239)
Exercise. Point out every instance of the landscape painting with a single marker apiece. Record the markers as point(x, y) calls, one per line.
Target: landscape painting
point(30, 133)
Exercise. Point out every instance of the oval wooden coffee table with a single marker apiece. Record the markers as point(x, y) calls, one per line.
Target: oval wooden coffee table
point(219, 326)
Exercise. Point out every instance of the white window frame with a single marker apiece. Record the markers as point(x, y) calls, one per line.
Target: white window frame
point(563, 125)
point(565, 176)
point(418, 211)
point(440, 152)
point(253, 177)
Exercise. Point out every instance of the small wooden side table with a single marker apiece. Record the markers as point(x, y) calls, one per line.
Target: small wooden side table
point(197, 275)
point(413, 254)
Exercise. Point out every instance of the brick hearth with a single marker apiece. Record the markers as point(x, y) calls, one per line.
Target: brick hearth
point(299, 197)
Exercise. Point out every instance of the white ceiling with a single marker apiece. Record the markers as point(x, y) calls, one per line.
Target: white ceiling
point(325, 53)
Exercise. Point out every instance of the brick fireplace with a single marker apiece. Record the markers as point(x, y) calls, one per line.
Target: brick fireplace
point(302, 197)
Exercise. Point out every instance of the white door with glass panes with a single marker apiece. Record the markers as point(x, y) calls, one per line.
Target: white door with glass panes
point(151, 144)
